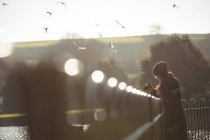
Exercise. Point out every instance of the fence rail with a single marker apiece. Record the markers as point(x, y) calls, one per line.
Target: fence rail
point(104, 110)
point(55, 106)
point(197, 113)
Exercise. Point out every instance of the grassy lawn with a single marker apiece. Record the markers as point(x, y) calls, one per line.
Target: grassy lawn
point(132, 39)
point(35, 43)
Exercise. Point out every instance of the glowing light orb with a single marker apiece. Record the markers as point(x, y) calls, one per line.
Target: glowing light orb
point(129, 88)
point(134, 90)
point(112, 82)
point(72, 67)
point(122, 85)
point(139, 92)
point(97, 76)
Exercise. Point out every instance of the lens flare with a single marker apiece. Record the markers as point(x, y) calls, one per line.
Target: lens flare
point(72, 67)
point(134, 90)
point(112, 82)
point(122, 85)
point(129, 88)
point(97, 76)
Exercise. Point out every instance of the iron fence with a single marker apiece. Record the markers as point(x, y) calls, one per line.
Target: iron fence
point(197, 113)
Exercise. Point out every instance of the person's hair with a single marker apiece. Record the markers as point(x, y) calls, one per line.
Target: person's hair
point(160, 68)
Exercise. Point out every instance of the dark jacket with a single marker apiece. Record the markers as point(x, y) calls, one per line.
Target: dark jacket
point(173, 113)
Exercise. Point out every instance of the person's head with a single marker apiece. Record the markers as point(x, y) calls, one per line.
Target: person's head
point(160, 70)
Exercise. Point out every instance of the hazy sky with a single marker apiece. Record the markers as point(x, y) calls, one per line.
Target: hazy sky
point(24, 20)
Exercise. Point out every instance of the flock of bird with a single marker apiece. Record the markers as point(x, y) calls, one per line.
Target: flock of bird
point(111, 45)
point(50, 13)
point(3, 3)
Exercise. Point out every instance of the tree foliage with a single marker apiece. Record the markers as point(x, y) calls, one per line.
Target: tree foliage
point(111, 69)
point(185, 61)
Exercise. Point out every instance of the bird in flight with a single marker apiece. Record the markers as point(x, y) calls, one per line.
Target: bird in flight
point(46, 29)
point(50, 13)
point(119, 24)
point(175, 6)
point(62, 3)
point(4, 3)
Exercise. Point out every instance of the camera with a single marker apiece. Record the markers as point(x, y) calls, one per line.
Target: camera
point(147, 86)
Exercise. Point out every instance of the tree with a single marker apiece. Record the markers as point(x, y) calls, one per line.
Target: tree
point(111, 69)
point(88, 51)
point(184, 59)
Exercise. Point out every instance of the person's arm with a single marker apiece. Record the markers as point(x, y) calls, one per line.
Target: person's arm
point(151, 90)
point(154, 92)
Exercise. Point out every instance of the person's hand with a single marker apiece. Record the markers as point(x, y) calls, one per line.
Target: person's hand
point(151, 90)
point(148, 86)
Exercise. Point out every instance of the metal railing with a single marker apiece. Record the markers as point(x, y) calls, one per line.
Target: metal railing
point(197, 113)
point(96, 112)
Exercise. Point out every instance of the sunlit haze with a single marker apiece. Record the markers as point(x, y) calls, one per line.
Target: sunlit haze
point(28, 20)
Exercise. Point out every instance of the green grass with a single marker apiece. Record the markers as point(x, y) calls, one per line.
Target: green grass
point(79, 111)
point(126, 40)
point(132, 39)
point(12, 115)
point(35, 43)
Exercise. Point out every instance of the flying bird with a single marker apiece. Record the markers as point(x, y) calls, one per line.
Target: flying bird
point(175, 6)
point(50, 13)
point(46, 29)
point(119, 24)
point(4, 4)
point(62, 3)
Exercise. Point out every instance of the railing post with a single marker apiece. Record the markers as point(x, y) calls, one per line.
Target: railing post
point(208, 116)
point(150, 116)
point(162, 125)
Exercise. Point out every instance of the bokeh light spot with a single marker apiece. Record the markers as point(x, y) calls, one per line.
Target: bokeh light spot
point(122, 85)
point(97, 76)
point(129, 88)
point(112, 82)
point(72, 67)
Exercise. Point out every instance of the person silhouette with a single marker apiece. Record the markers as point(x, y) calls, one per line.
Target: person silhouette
point(168, 90)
